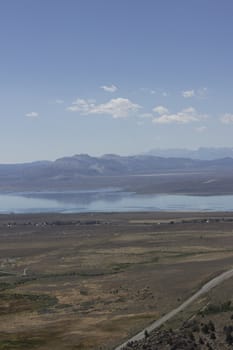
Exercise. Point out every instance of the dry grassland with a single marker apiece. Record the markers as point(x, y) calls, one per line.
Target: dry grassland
point(90, 281)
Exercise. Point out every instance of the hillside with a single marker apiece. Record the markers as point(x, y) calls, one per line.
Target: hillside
point(140, 173)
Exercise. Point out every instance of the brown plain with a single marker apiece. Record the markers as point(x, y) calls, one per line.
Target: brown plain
point(90, 281)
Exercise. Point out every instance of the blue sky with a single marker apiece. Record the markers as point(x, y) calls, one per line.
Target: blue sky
point(114, 76)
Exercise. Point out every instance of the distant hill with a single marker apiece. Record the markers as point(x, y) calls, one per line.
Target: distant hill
point(134, 173)
point(203, 153)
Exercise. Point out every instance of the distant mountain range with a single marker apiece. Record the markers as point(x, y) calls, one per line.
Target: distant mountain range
point(134, 173)
point(203, 153)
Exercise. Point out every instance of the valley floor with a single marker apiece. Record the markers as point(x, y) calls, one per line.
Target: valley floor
point(91, 281)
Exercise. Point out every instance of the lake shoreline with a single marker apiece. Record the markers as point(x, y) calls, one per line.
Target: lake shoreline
point(150, 217)
point(110, 201)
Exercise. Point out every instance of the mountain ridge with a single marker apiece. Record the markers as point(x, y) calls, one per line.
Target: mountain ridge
point(134, 173)
point(202, 153)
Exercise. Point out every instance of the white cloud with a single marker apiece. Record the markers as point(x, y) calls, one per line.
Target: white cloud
point(140, 123)
point(32, 114)
point(110, 88)
point(202, 92)
point(160, 110)
point(227, 118)
point(185, 116)
point(146, 115)
point(144, 89)
point(154, 91)
point(58, 101)
point(117, 108)
point(162, 92)
point(188, 93)
point(201, 129)
point(81, 105)
point(148, 90)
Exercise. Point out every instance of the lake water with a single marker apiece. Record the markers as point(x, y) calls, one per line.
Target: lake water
point(109, 201)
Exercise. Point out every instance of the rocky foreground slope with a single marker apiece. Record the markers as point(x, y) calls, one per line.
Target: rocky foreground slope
point(192, 335)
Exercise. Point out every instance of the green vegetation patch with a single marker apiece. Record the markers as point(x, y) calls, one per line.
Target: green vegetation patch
point(215, 309)
point(11, 303)
point(121, 266)
point(5, 274)
point(24, 343)
point(5, 285)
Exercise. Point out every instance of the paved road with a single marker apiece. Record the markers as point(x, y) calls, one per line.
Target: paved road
point(204, 289)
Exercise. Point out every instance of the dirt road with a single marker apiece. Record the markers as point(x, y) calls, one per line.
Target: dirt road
point(204, 289)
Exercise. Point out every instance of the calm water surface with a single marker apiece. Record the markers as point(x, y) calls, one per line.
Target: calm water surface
point(109, 201)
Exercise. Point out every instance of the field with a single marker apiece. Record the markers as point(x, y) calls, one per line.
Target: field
point(90, 281)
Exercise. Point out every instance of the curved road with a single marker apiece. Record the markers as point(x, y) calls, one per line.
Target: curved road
point(204, 289)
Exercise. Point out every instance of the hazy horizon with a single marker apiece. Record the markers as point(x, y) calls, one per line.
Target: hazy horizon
point(171, 152)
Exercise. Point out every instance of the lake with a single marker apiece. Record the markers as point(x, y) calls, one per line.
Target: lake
point(109, 200)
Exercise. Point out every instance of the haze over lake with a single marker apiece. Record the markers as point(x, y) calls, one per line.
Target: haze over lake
point(109, 201)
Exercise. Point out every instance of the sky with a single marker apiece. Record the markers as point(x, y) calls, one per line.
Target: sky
point(114, 76)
